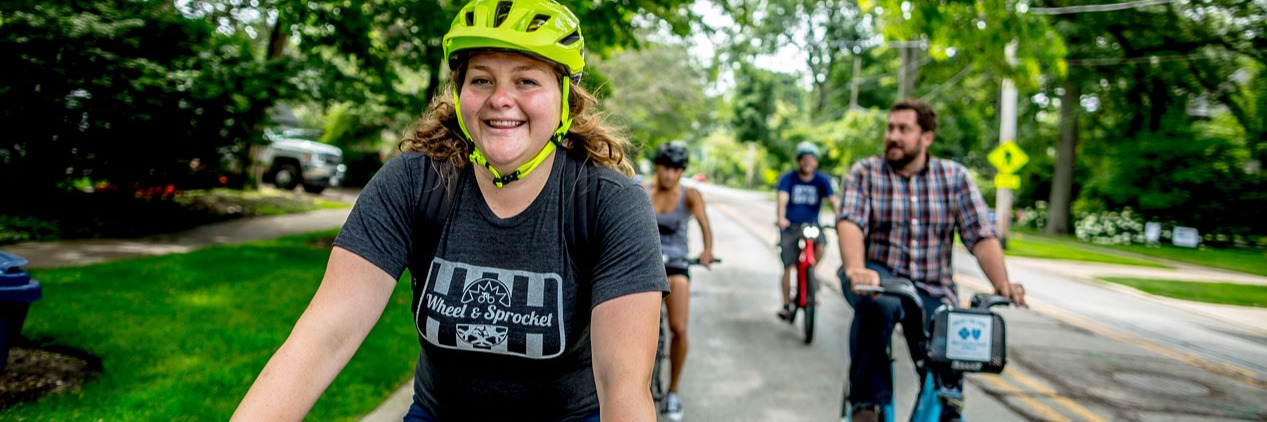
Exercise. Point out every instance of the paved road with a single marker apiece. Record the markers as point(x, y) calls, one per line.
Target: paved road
point(1088, 350)
point(1085, 351)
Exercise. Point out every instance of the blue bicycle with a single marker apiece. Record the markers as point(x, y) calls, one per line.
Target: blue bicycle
point(960, 340)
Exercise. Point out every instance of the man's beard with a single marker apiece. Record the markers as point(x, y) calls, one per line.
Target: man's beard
point(900, 162)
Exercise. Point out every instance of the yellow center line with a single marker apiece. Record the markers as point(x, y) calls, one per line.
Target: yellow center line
point(1046, 412)
point(1057, 397)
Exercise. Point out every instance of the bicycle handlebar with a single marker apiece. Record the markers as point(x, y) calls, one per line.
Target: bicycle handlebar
point(987, 301)
point(696, 261)
point(689, 261)
point(903, 287)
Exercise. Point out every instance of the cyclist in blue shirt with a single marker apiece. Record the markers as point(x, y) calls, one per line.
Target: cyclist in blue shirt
point(801, 195)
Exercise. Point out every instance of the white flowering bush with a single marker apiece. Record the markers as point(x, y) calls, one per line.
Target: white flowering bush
point(1111, 227)
point(1033, 218)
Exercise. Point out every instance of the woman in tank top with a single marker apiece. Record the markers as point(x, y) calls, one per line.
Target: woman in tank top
point(674, 206)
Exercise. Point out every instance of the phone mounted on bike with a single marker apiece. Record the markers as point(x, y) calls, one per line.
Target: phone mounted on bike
point(972, 339)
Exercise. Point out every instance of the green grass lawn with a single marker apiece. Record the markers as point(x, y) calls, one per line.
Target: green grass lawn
point(1221, 293)
point(1033, 246)
point(1246, 260)
point(182, 337)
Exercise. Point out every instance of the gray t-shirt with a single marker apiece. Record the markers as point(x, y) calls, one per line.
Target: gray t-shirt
point(504, 318)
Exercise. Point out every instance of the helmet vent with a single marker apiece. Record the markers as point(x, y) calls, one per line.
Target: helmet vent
point(537, 22)
point(503, 10)
point(571, 38)
point(470, 18)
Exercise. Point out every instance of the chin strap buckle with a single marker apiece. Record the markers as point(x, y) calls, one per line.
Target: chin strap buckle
point(499, 181)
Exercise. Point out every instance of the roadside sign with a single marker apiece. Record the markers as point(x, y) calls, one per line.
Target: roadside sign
point(1185, 237)
point(1152, 232)
point(1008, 157)
point(1007, 181)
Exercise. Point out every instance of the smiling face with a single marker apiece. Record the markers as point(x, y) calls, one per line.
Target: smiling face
point(904, 141)
point(511, 105)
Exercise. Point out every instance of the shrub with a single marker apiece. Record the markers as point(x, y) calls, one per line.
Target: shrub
point(1111, 227)
point(1032, 218)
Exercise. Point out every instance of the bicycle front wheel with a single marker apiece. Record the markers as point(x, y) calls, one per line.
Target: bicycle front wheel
point(811, 287)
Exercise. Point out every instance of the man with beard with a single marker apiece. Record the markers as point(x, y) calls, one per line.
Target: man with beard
point(898, 219)
point(801, 194)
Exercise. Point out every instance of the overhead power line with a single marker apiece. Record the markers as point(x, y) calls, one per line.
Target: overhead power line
point(1158, 59)
point(1096, 7)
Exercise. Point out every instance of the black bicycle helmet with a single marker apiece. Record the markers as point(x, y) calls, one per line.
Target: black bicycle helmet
point(672, 154)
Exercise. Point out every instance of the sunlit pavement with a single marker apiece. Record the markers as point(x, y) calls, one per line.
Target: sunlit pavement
point(1088, 350)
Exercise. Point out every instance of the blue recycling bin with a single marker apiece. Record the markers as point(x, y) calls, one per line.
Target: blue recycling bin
point(17, 292)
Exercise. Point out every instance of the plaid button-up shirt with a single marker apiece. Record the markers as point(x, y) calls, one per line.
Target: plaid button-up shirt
point(908, 224)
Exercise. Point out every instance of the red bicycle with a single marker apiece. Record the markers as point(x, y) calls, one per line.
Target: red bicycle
point(803, 299)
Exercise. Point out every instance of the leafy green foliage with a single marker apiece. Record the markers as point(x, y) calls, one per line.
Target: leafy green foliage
point(145, 93)
point(659, 97)
point(1182, 172)
point(765, 104)
point(129, 92)
point(982, 29)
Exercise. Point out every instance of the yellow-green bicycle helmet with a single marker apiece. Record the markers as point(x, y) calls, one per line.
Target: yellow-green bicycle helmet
point(541, 28)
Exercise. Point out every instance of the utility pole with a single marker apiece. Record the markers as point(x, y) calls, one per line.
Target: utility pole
point(908, 51)
point(857, 76)
point(1007, 133)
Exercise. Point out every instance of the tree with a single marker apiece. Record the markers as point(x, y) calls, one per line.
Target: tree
point(831, 33)
point(127, 92)
point(1134, 76)
point(657, 93)
point(765, 104)
point(133, 92)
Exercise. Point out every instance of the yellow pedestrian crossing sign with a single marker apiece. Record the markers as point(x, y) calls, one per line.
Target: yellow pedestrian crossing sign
point(1008, 158)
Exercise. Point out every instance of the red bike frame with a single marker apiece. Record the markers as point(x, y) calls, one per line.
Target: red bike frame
point(807, 259)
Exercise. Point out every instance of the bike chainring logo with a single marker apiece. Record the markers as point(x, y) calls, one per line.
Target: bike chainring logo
point(492, 310)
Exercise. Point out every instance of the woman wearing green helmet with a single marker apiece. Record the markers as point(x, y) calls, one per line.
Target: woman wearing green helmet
point(513, 324)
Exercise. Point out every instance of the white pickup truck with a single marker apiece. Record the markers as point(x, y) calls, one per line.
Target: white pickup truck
point(291, 162)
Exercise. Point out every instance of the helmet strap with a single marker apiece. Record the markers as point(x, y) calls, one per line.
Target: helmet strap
point(498, 179)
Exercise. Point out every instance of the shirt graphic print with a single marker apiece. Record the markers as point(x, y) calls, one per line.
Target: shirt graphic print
point(492, 310)
point(804, 194)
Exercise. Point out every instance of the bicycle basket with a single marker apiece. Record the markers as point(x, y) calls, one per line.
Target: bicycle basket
point(969, 340)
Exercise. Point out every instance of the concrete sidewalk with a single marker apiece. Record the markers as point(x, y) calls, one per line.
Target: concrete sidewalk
point(82, 252)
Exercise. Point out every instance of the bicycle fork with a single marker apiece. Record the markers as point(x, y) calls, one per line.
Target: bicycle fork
point(807, 248)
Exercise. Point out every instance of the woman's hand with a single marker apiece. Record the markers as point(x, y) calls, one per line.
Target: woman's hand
point(706, 258)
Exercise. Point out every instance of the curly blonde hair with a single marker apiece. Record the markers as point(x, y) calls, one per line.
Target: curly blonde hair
point(438, 135)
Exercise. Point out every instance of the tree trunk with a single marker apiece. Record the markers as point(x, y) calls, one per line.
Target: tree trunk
point(277, 39)
point(1066, 150)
